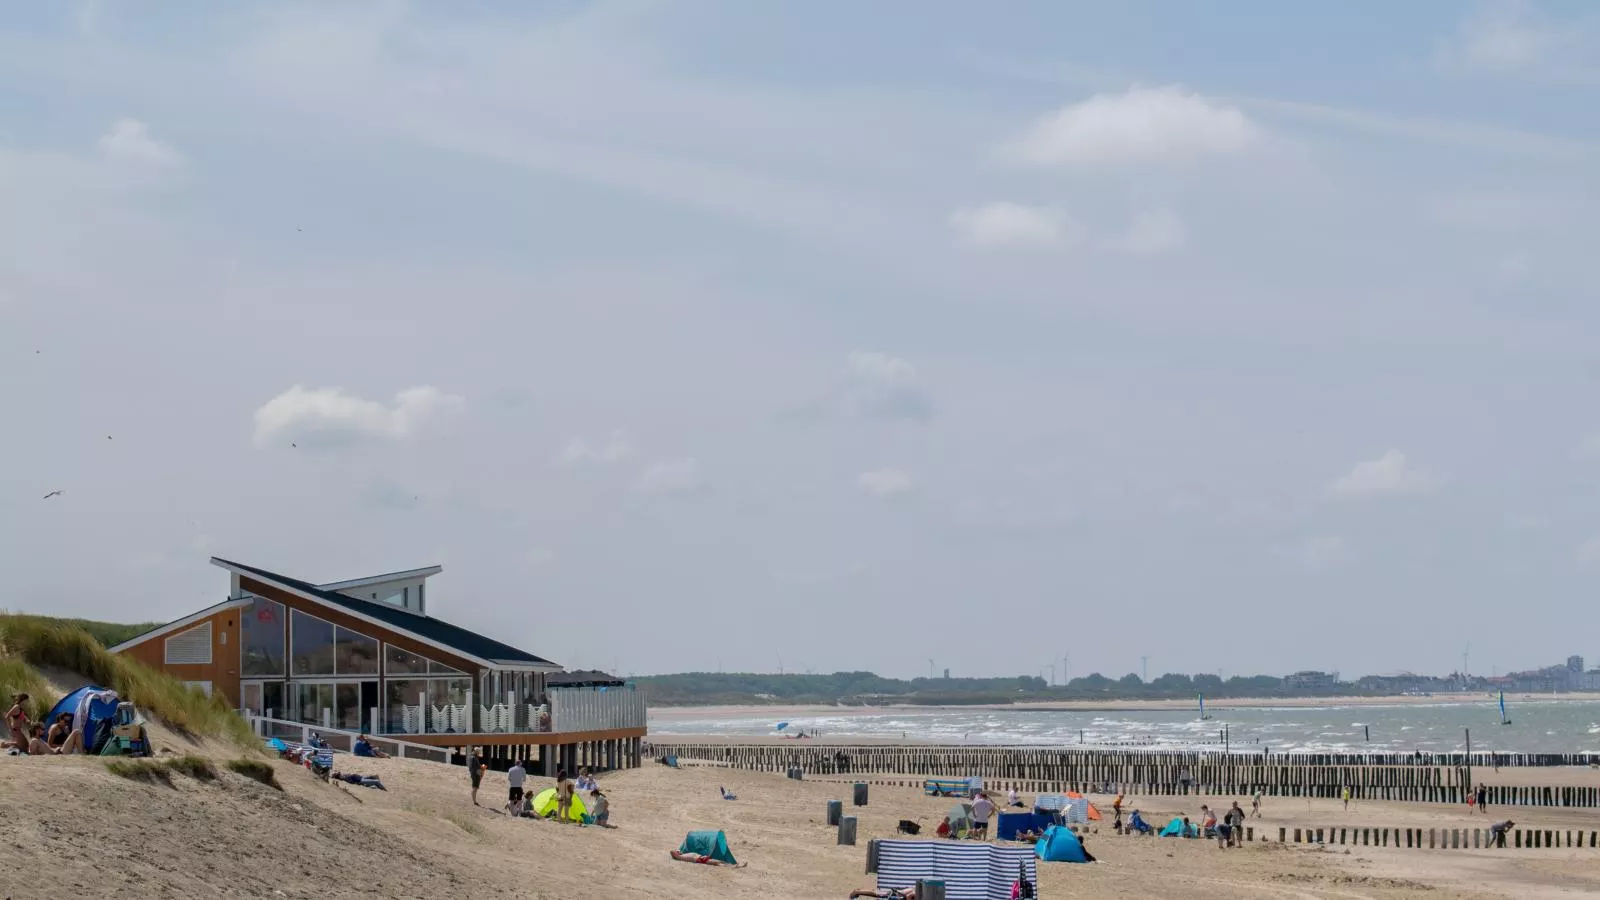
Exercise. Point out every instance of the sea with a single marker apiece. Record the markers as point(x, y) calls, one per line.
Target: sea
point(1537, 726)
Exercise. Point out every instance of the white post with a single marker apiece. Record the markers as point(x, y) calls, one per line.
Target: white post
point(473, 724)
point(305, 735)
point(374, 730)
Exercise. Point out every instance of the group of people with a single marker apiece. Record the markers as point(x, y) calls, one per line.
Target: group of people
point(31, 738)
point(519, 800)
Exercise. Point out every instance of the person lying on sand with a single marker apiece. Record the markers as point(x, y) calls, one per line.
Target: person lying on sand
point(890, 894)
point(681, 856)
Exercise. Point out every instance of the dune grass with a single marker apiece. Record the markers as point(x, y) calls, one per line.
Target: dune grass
point(160, 771)
point(17, 677)
point(58, 643)
point(257, 770)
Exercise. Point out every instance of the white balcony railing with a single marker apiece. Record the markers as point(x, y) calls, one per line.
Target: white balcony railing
point(596, 708)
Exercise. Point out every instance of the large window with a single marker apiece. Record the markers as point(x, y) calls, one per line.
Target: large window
point(354, 654)
point(262, 698)
point(419, 696)
point(322, 648)
point(311, 641)
point(261, 644)
point(397, 661)
point(312, 704)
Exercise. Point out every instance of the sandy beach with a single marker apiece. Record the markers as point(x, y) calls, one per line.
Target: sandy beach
point(423, 838)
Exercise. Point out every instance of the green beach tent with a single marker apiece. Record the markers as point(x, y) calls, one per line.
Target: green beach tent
point(713, 844)
point(544, 805)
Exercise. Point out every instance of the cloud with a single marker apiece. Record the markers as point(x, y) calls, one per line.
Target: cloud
point(1003, 224)
point(617, 447)
point(1152, 232)
point(130, 139)
point(887, 482)
point(386, 494)
point(880, 386)
point(670, 476)
point(1143, 125)
point(1319, 553)
point(1389, 474)
point(332, 416)
point(1512, 39)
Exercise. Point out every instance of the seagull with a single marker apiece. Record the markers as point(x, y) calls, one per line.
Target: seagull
point(52, 494)
point(292, 444)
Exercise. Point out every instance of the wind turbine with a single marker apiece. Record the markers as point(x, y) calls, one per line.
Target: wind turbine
point(930, 669)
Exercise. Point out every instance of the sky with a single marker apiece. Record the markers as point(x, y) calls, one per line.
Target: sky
point(1245, 337)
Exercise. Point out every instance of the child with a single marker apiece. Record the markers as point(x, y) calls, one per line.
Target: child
point(600, 808)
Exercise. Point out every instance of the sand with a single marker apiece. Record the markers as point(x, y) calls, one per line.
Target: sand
point(76, 827)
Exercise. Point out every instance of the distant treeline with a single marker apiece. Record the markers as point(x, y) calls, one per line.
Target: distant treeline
point(865, 688)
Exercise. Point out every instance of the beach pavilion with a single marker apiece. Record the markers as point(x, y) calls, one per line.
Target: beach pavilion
point(365, 655)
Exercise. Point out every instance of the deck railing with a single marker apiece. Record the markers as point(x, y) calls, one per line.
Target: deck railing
point(341, 740)
point(596, 708)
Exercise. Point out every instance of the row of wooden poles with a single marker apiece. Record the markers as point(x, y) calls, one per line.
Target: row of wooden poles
point(1382, 777)
point(1436, 838)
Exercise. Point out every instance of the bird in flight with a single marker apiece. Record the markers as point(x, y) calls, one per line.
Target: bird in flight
point(52, 494)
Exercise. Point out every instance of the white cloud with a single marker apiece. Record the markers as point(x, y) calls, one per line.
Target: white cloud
point(130, 139)
point(887, 482)
point(1003, 224)
point(1152, 232)
point(670, 476)
point(1319, 553)
point(1166, 124)
point(332, 416)
point(617, 447)
point(1387, 475)
point(1512, 39)
point(880, 386)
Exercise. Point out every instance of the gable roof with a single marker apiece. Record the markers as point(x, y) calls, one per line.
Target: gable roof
point(437, 632)
point(178, 624)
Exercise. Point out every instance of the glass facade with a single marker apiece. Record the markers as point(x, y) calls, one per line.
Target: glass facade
point(261, 638)
point(354, 654)
point(311, 644)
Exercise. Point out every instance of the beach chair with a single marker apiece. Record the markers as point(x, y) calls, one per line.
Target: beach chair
point(969, 871)
point(322, 764)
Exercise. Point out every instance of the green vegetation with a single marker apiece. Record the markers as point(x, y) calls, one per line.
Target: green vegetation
point(257, 770)
point(39, 641)
point(865, 688)
point(160, 771)
point(110, 634)
point(17, 677)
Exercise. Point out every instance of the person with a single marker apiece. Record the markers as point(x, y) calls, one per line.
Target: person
point(1483, 798)
point(1208, 821)
point(909, 893)
point(1255, 804)
point(59, 730)
point(1012, 799)
point(17, 722)
point(1116, 805)
point(586, 781)
point(563, 796)
point(982, 809)
point(727, 794)
point(1498, 831)
point(1116, 825)
point(600, 808)
point(1188, 828)
point(1345, 794)
point(944, 828)
point(474, 772)
point(684, 856)
point(1235, 820)
point(36, 742)
point(514, 779)
point(364, 747)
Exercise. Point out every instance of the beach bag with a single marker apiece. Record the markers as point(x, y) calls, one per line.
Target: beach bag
point(909, 827)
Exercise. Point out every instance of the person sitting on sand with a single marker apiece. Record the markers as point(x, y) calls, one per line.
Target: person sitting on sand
point(37, 746)
point(586, 781)
point(62, 738)
point(17, 722)
point(944, 828)
point(1012, 800)
point(600, 808)
point(364, 747)
point(683, 856)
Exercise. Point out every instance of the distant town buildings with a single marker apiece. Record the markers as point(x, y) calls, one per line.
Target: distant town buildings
point(1556, 679)
point(1311, 681)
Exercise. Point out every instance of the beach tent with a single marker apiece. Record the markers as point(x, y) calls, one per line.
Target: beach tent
point(89, 706)
point(713, 844)
point(1094, 814)
point(544, 805)
point(960, 817)
point(1175, 829)
point(1010, 823)
point(1059, 844)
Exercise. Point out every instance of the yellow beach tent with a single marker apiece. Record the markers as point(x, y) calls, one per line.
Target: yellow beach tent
point(544, 805)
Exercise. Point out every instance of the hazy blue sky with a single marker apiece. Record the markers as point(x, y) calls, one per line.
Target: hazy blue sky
point(1248, 336)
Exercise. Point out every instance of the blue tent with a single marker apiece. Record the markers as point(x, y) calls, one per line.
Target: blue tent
point(1059, 844)
point(101, 709)
point(1011, 823)
point(1175, 829)
point(708, 843)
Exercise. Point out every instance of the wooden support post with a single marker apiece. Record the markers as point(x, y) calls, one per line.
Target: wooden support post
point(847, 831)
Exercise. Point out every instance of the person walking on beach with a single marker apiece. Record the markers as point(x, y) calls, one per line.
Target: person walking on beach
point(1345, 793)
point(1255, 804)
point(515, 776)
point(1483, 798)
point(474, 772)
